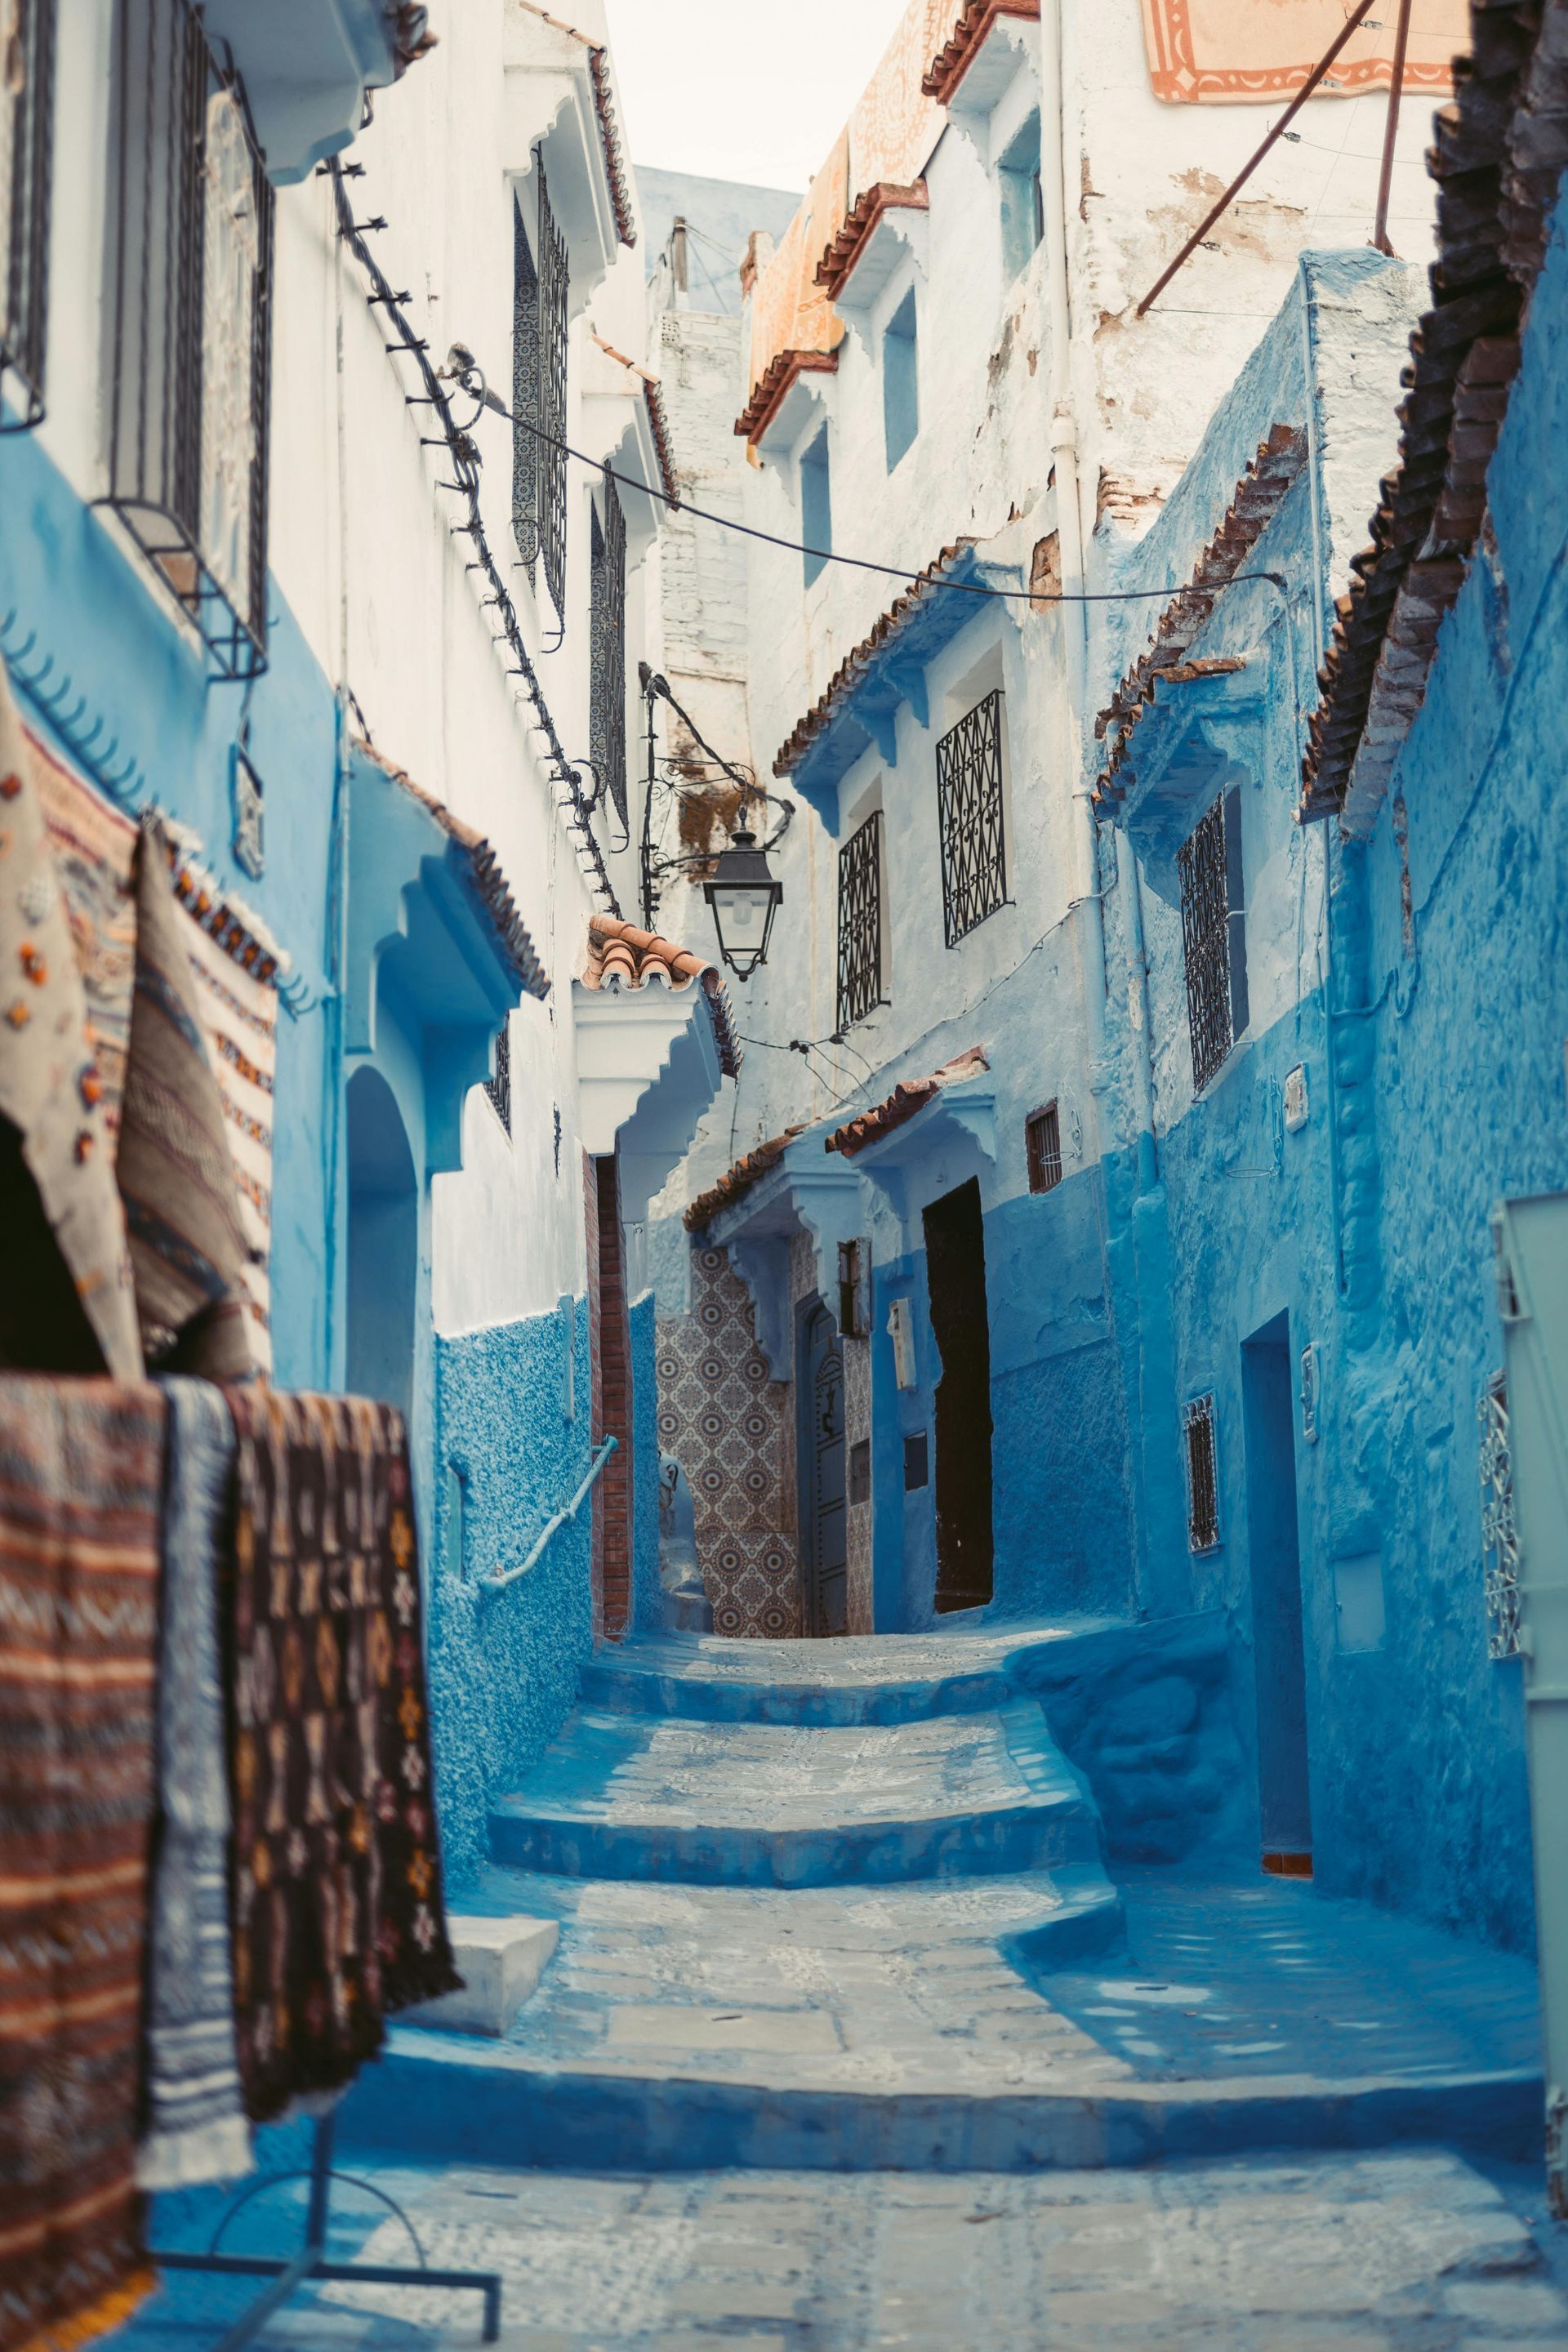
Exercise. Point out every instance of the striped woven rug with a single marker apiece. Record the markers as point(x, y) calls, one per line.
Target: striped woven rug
point(80, 1477)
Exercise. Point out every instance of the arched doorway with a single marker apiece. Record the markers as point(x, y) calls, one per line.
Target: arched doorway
point(383, 1245)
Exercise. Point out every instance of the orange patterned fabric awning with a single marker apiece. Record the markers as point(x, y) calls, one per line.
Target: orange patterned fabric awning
point(1250, 52)
point(790, 312)
point(890, 138)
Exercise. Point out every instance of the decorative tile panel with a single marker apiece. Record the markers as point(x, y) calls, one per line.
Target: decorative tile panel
point(729, 1426)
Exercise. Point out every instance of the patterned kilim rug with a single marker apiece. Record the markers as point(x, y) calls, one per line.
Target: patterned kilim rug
point(94, 847)
point(337, 1916)
point(80, 1477)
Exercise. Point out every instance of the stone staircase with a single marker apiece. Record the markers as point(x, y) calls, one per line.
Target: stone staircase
point(845, 1905)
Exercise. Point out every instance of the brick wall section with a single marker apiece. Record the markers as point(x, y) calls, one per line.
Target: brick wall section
point(611, 1342)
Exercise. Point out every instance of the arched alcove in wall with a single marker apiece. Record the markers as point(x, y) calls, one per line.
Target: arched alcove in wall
point(383, 1245)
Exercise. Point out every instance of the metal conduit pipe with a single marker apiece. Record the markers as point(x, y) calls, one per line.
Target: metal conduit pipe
point(1057, 201)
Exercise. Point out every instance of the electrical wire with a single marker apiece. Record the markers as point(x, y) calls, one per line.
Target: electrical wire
point(488, 399)
point(465, 460)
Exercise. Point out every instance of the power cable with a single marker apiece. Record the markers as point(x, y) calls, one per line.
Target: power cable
point(466, 369)
point(465, 460)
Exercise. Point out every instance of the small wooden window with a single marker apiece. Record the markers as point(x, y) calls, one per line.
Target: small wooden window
point(1203, 1474)
point(852, 1305)
point(1043, 1135)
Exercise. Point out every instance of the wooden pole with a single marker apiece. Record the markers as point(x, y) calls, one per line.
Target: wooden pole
point(1390, 131)
point(1352, 24)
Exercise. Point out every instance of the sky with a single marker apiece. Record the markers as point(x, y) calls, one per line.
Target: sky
point(753, 90)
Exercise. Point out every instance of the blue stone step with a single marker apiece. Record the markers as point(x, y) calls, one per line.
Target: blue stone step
point(754, 1804)
point(873, 1679)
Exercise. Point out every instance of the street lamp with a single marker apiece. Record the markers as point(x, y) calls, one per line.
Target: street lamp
point(744, 898)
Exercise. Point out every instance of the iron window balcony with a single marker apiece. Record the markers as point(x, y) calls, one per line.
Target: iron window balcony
point(190, 341)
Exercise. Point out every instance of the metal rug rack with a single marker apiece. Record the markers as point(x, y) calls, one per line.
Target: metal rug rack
point(312, 2261)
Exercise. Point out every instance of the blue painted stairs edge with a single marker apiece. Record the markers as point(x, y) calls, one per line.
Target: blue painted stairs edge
point(613, 1800)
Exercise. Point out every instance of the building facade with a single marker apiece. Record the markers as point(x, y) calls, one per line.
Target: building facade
point(268, 562)
point(1110, 1169)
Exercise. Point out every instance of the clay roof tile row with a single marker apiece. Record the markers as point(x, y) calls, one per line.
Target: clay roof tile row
point(837, 263)
point(610, 140)
point(1498, 157)
point(906, 1099)
point(853, 666)
point(953, 59)
point(622, 956)
point(1166, 660)
point(738, 1179)
point(490, 886)
point(782, 370)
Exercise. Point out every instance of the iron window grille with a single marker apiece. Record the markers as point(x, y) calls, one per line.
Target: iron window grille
point(1213, 935)
point(26, 115)
point(498, 1088)
point(1500, 1528)
point(1203, 1473)
point(190, 329)
point(969, 814)
point(860, 922)
point(607, 631)
point(539, 392)
point(1042, 1137)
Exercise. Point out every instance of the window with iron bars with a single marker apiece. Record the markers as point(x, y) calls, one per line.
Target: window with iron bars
point(189, 354)
point(498, 1088)
point(1043, 1139)
point(969, 814)
point(540, 280)
point(607, 632)
point(1203, 1473)
point(860, 922)
point(1213, 934)
point(26, 114)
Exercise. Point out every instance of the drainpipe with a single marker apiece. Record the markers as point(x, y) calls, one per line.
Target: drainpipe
point(1070, 530)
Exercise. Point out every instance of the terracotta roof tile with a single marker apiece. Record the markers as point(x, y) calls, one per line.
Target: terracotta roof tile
point(837, 263)
point(903, 1103)
point(610, 139)
point(782, 370)
point(737, 1181)
point(953, 59)
point(658, 423)
point(489, 882)
point(622, 956)
point(851, 668)
point(1497, 160)
point(1253, 508)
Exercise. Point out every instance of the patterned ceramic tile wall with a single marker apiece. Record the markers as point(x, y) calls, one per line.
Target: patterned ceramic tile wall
point(730, 1427)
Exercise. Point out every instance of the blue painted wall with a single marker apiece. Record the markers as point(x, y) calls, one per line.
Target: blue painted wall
point(87, 609)
point(1433, 1047)
point(503, 1668)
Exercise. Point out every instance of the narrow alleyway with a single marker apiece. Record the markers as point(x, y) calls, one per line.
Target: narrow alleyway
point(852, 2039)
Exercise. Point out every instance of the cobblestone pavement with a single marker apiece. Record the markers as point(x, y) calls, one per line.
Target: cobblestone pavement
point(1410, 2253)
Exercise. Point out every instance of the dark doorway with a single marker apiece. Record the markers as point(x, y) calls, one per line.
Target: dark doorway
point(383, 1245)
point(1268, 1413)
point(955, 1274)
point(824, 1529)
point(612, 1358)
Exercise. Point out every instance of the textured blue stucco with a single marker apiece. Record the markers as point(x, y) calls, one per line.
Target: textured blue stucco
point(1432, 1043)
point(503, 1667)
